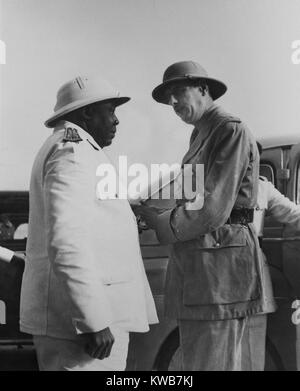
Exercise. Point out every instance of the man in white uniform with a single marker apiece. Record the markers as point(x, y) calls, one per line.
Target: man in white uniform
point(270, 202)
point(275, 204)
point(84, 286)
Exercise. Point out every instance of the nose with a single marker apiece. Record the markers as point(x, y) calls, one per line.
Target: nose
point(116, 121)
point(172, 100)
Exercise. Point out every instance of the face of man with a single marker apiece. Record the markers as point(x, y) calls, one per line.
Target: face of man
point(189, 102)
point(103, 123)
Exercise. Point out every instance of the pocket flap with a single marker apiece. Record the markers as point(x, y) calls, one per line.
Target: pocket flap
point(226, 236)
point(116, 279)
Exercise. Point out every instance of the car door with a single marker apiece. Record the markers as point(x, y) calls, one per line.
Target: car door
point(16, 350)
point(282, 248)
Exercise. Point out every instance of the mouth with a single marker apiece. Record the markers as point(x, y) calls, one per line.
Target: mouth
point(111, 135)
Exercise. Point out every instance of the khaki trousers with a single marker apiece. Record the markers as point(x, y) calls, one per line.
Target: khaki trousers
point(254, 343)
point(55, 354)
point(223, 345)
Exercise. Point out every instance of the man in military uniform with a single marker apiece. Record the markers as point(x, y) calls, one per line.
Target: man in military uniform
point(215, 281)
point(84, 286)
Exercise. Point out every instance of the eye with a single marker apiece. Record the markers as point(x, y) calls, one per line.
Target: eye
point(167, 93)
point(179, 90)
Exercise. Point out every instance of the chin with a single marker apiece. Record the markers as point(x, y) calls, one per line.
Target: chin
point(107, 143)
point(188, 121)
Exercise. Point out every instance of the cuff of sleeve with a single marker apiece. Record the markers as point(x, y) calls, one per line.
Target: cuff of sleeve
point(93, 314)
point(164, 231)
point(82, 328)
point(5, 254)
point(92, 325)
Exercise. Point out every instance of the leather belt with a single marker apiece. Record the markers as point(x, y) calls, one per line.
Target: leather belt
point(242, 216)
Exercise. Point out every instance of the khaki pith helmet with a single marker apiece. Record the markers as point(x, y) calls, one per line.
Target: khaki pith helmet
point(187, 70)
point(81, 92)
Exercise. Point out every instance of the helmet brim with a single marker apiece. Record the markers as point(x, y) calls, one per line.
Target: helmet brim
point(51, 122)
point(216, 87)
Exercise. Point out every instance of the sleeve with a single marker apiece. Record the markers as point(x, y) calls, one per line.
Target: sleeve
point(5, 254)
point(281, 208)
point(69, 196)
point(229, 160)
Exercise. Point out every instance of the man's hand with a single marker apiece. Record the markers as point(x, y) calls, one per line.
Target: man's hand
point(148, 214)
point(99, 344)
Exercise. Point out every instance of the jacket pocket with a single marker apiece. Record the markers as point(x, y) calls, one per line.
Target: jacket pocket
point(116, 278)
point(221, 268)
point(226, 236)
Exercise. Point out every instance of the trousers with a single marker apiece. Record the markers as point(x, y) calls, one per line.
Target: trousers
point(254, 343)
point(55, 354)
point(223, 345)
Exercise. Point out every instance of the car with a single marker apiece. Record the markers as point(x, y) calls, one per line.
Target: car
point(159, 349)
point(16, 348)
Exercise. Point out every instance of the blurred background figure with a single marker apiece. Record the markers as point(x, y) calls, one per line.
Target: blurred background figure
point(7, 228)
point(270, 202)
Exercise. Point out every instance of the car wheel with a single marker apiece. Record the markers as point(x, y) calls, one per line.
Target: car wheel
point(273, 360)
point(169, 356)
point(175, 363)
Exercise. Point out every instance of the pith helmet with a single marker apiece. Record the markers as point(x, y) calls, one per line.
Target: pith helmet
point(187, 70)
point(81, 92)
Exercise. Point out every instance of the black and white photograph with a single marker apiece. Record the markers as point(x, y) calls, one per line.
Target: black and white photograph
point(149, 188)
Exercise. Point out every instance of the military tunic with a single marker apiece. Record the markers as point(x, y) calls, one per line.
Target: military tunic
point(216, 270)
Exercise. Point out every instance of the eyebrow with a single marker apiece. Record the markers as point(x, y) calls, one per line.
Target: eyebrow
point(174, 88)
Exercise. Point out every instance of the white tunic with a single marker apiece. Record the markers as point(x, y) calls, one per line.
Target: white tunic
point(84, 269)
point(275, 204)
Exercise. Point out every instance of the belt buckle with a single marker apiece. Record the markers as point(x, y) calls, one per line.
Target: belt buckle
point(248, 215)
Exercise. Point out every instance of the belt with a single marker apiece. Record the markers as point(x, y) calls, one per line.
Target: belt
point(242, 216)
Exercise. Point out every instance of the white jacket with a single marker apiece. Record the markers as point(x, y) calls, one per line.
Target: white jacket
point(84, 269)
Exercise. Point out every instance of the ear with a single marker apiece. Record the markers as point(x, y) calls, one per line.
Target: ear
point(204, 90)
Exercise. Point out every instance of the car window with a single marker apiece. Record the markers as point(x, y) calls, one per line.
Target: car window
point(298, 184)
point(267, 171)
point(2, 313)
point(14, 208)
point(13, 226)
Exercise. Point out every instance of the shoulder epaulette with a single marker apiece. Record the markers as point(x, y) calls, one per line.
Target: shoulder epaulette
point(232, 119)
point(71, 135)
point(226, 120)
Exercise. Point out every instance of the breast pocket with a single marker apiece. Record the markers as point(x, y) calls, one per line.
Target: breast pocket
point(116, 278)
point(221, 268)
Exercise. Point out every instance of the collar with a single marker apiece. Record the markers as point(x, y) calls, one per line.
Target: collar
point(210, 120)
point(84, 135)
point(203, 126)
point(201, 131)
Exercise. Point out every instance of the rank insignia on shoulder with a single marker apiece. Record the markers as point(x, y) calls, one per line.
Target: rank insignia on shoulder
point(71, 135)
